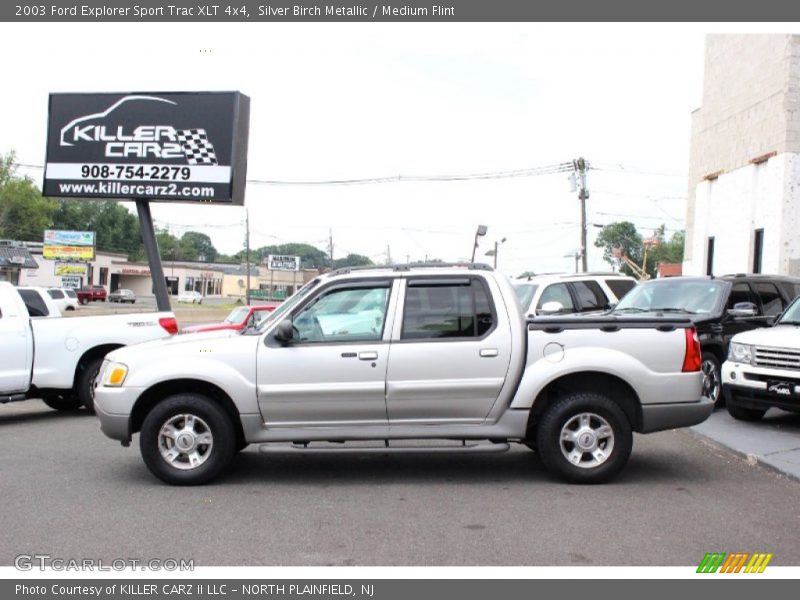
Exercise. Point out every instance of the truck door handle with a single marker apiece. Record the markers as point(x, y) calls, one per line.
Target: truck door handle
point(367, 355)
point(488, 352)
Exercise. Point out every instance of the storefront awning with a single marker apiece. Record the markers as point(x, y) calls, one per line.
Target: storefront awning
point(16, 257)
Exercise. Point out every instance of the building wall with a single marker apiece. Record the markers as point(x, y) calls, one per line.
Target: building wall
point(751, 108)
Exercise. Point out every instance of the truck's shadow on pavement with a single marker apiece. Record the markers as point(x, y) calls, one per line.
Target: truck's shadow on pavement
point(41, 416)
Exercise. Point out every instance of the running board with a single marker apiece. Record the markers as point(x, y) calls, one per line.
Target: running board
point(386, 448)
point(12, 398)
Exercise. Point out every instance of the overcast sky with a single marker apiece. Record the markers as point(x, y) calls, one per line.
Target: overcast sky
point(343, 101)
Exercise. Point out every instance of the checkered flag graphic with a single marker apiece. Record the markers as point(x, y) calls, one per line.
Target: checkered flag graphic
point(196, 147)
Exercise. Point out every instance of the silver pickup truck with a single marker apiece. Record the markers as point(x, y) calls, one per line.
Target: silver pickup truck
point(400, 354)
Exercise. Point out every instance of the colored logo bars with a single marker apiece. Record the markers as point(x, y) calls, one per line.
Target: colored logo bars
point(736, 562)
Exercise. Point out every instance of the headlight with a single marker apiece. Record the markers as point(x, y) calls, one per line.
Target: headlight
point(740, 353)
point(114, 374)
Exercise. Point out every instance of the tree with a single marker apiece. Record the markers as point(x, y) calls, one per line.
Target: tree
point(198, 246)
point(623, 235)
point(352, 260)
point(24, 212)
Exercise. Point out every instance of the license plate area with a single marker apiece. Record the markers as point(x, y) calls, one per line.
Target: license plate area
point(781, 389)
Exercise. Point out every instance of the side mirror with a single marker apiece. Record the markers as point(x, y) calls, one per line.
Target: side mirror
point(284, 332)
point(549, 308)
point(743, 309)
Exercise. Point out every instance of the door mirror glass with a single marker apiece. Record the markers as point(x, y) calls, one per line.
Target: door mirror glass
point(743, 309)
point(284, 332)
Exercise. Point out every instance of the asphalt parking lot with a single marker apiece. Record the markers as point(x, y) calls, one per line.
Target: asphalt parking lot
point(71, 493)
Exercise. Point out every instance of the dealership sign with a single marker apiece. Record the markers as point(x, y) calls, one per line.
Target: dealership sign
point(279, 262)
point(68, 246)
point(177, 147)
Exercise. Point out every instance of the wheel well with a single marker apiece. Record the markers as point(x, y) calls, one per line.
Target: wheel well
point(89, 356)
point(160, 391)
point(715, 350)
point(610, 386)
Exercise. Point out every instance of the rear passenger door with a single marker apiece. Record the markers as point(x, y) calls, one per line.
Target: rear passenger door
point(772, 302)
point(450, 352)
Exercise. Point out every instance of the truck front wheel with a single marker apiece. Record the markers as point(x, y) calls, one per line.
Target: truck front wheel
point(584, 437)
point(65, 402)
point(85, 383)
point(187, 439)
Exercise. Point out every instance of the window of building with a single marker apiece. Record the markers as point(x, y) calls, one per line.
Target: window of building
point(558, 292)
point(710, 256)
point(771, 299)
point(446, 309)
point(103, 275)
point(758, 250)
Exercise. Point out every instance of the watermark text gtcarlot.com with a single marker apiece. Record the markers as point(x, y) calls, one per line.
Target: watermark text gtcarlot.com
point(42, 562)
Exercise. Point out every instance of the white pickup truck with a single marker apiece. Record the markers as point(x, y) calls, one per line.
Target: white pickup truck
point(395, 355)
point(57, 359)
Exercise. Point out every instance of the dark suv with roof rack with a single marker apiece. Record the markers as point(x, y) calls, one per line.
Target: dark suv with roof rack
point(720, 307)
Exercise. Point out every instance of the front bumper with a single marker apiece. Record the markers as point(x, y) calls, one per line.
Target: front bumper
point(659, 417)
point(113, 407)
point(746, 386)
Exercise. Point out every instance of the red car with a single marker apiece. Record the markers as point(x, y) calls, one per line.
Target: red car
point(90, 293)
point(241, 317)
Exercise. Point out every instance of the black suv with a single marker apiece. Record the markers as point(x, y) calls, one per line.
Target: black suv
point(720, 307)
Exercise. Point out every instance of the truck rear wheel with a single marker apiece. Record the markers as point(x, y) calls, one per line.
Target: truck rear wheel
point(187, 439)
point(584, 437)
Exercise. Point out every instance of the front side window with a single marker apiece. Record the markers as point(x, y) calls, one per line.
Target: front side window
point(558, 292)
point(56, 294)
point(740, 292)
point(344, 315)
point(458, 309)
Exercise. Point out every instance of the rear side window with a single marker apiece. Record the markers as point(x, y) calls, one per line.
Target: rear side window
point(558, 292)
point(590, 295)
point(740, 292)
point(770, 298)
point(34, 303)
point(446, 309)
point(620, 287)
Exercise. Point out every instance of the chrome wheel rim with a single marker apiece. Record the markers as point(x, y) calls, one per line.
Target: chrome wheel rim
point(587, 440)
point(711, 380)
point(185, 441)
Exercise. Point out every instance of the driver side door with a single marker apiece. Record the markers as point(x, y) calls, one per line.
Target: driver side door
point(333, 372)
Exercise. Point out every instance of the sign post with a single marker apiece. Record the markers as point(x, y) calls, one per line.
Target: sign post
point(188, 147)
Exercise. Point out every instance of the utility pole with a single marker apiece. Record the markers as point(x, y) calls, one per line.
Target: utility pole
point(579, 165)
point(247, 254)
point(388, 254)
point(330, 246)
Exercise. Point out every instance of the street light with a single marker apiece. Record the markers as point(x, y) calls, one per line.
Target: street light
point(481, 231)
point(494, 252)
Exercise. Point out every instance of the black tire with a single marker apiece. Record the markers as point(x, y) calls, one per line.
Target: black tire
point(219, 424)
point(84, 301)
point(740, 413)
point(85, 383)
point(70, 308)
point(64, 403)
point(566, 411)
point(712, 378)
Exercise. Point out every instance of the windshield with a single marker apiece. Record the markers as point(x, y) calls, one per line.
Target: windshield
point(792, 315)
point(525, 294)
point(237, 315)
point(291, 302)
point(694, 297)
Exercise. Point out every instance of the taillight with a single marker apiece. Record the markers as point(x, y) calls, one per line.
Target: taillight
point(170, 324)
point(692, 359)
